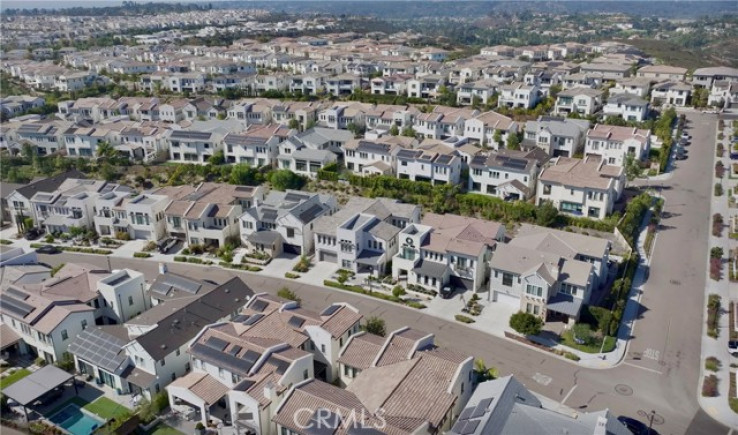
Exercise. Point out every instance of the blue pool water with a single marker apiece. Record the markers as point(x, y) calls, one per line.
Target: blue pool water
point(74, 421)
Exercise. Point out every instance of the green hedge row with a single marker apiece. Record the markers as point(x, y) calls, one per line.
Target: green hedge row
point(383, 296)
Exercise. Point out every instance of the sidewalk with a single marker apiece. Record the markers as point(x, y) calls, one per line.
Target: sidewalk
point(718, 407)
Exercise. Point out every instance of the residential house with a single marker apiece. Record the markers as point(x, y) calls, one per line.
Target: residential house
point(609, 71)
point(723, 94)
point(19, 199)
point(208, 214)
point(342, 84)
point(390, 85)
point(486, 127)
point(426, 87)
point(671, 93)
point(627, 106)
point(659, 73)
point(149, 351)
point(362, 235)
point(72, 204)
point(286, 217)
point(640, 87)
point(518, 95)
point(446, 250)
point(581, 187)
point(480, 92)
point(432, 161)
point(375, 157)
point(582, 101)
point(139, 216)
point(557, 136)
point(15, 105)
point(296, 156)
point(704, 77)
point(257, 146)
point(615, 144)
point(506, 174)
point(443, 122)
point(505, 406)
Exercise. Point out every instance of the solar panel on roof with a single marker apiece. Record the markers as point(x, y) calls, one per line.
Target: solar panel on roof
point(251, 356)
point(466, 413)
point(234, 350)
point(259, 305)
point(484, 403)
point(470, 426)
point(221, 359)
point(458, 426)
point(330, 310)
point(296, 322)
point(15, 306)
point(181, 283)
point(216, 343)
point(17, 294)
point(253, 319)
point(478, 412)
point(240, 318)
point(281, 366)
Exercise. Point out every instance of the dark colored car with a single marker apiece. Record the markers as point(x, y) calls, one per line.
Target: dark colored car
point(447, 292)
point(33, 234)
point(636, 426)
point(681, 156)
point(48, 249)
point(167, 245)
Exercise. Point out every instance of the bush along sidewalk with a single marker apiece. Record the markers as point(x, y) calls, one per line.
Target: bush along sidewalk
point(79, 249)
point(378, 295)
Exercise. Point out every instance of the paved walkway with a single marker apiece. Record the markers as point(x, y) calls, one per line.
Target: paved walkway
point(718, 406)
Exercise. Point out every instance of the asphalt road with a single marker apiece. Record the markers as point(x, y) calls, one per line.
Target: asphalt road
point(660, 371)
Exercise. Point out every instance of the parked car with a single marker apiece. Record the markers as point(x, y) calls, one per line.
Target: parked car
point(733, 347)
point(166, 245)
point(447, 292)
point(48, 249)
point(33, 234)
point(680, 154)
point(635, 426)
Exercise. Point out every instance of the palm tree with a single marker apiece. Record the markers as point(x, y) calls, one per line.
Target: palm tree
point(105, 151)
point(484, 373)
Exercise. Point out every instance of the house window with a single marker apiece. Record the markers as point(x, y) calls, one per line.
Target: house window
point(507, 279)
point(290, 233)
point(130, 300)
point(174, 376)
point(322, 348)
point(546, 189)
point(534, 290)
point(304, 374)
point(84, 324)
point(177, 353)
point(157, 388)
point(64, 335)
point(163, 362)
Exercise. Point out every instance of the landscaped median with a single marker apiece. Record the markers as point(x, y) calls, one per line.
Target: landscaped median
point(79, 249)
point(378, 295)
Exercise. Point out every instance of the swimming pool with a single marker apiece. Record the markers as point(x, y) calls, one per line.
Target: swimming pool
point(73, 420)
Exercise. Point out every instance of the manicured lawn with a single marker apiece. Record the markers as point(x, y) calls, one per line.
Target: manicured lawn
point(108, 409)
point(163, 429)
point(567, 339)
point(14, 377)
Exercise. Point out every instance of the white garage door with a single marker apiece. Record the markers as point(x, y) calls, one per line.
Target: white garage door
point(504, 298)
point(142, 235)
point(328, 256)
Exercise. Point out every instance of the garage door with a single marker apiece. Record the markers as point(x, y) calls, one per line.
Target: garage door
point(461, 283)
point(331, 257)
point(142, 235)
point(291, 249)
point(504, 298)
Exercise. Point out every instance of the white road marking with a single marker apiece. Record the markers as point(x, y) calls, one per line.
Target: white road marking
point(542, 379)
point(642, 368)
point(651, 354)
point(568, 394)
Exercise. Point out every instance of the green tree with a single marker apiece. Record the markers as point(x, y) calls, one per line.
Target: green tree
point(633, 168)
point(294, 124)
point(217, 159)
point(483, 372)
point(105, 150)
point(497, 137)
point(615, 120)
point(244, 174)
point(582, 333)
point(286, 293)
point(375, 325)
point(546, 214)
point(513, 141)
point(284, 179)
point(107, 172)
point(526, 323)
point(409, 132)
point(394, 130)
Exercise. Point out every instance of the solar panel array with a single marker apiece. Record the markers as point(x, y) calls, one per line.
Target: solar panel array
point(181, 283)
point(216, 343)
point(443, 159)
point(330, 310)
point(259, 305)
point(223, 359)
point(469, 418)
point(296, 322)
point(253, 319)
point(17, 293)
point(194, 135)
point(373, 147)
point(311, 213)
point(99, 348)
point(281, 366)
point(15, 306)
point(295, 197)
point(514, 163)
point(234, 350)
point(240, 318)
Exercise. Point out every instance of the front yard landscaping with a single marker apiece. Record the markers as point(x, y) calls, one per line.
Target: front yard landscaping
point(592, 344)
point(713, 315)
point(712, 364)
point(13, 377)
point(108, 409)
